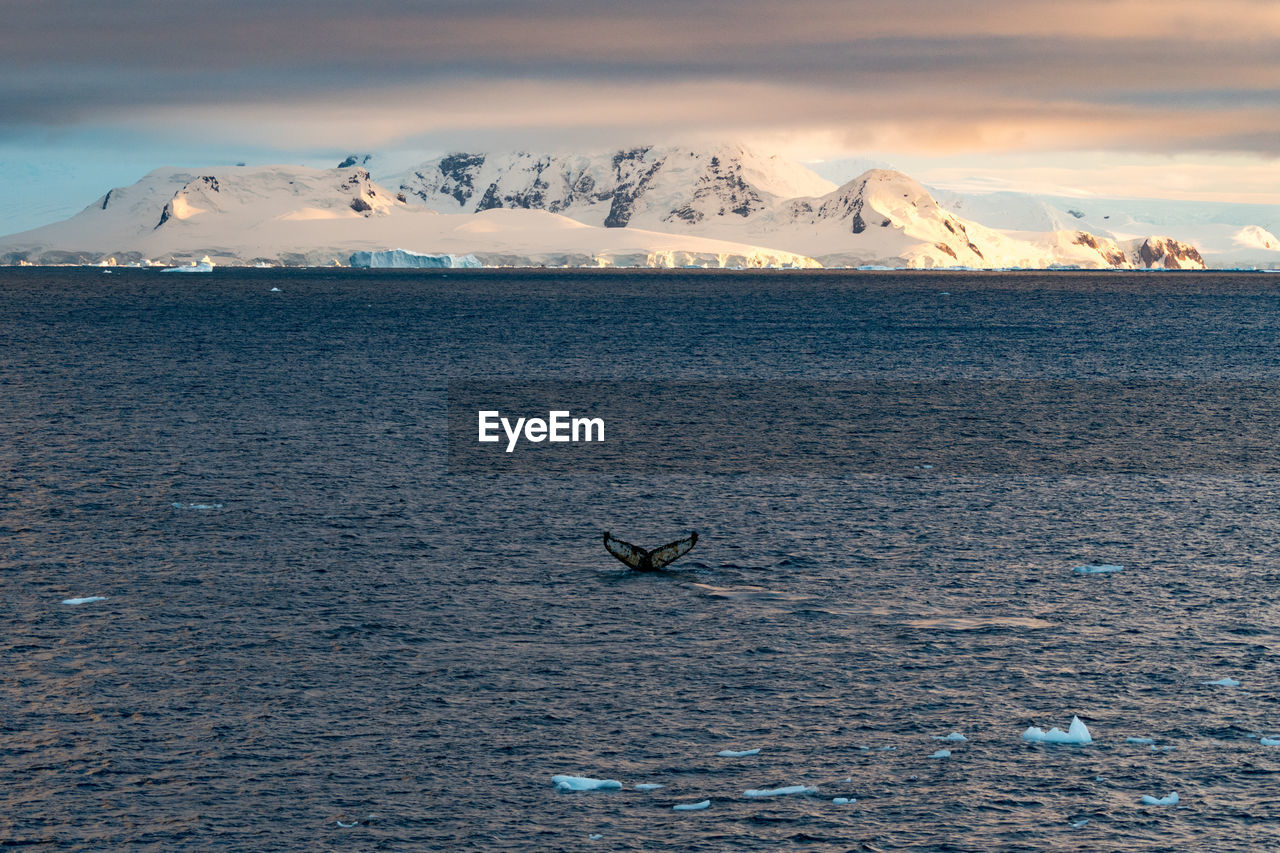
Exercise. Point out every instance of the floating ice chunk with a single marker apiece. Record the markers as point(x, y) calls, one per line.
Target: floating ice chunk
point(887, 748)
point(1170, 800)
point(1222, 682)
point(348, 825)
point(1099, 778)
point(942, 753)
point(583, 783)
point(1270, 741)
point(594, 837)
point(87, 600)
point(1076, 824)
point(1163, 748)
point(1078, 733)
point(956, 736)
point(1139, 740)
point(1097, 570)
point(196, 506)
point(692, 807)
point(781, 792)
point(275, 290)
point(204, 265)
point(648, 786)
point(843, 801)
point(733, 753)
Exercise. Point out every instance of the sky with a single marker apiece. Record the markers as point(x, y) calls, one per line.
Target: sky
point(1118, 98)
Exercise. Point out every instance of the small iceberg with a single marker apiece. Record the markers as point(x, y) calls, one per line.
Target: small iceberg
point(1139, 740)
point(1222, 682)
point(274, 290)
point(203, 265)
point(1076, 824)
point(1097, 570)
point(594, 837)
point(955, 736)
point(648, 786)
point(1077, 733)
point(691, 807)
point(1163, 748)
point(780, 792)
point(733, 753)
point(1266, 741)
point(942, 753)
point(843, 801)
point(583, 783)
point(88, 600)
point(1170, 800)
point(347, 825)
point(177, 505)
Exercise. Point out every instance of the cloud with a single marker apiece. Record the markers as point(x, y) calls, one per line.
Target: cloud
point(928, 75)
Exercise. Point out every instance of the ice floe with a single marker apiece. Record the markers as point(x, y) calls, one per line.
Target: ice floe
point(86, 600)
point(691, 807)
point(1139, 740)
point(1163, 748)
point(648, 786)
point(942, 753)
point(1077, 733)
point(1170, 800)
point(595, 836)
point(1076, 824)
point(348, 825)
point(1222, 682)
point(1270, 741)
point(1097, 570)
point(178, 505)
point(780, 792)
point(734, 753)
point(843, 801)
point(275, 290)
point(955, 736)
point(204, 265)
point(584, 783)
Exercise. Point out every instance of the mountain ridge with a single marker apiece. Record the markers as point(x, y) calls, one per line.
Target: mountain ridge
point(645, 206)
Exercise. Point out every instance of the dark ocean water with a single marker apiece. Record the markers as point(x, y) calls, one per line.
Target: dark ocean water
point(315, 637)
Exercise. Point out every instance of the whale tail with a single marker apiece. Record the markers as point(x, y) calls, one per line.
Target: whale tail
point(645, 561)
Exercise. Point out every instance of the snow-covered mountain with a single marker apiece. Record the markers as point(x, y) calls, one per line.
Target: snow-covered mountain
point(721, 206)
point(1226, 235)
point(297, 216)
point(881, 218)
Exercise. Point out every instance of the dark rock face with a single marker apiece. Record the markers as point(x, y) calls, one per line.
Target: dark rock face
point(1111, 254)
point(210, 182)
point(165, 214)
point(458, 173)
point(490, 200)
point(359, 205)
point(106, 198)
point(633, 180)
point(722, 185)
point(1165, 252)
point(944, 248)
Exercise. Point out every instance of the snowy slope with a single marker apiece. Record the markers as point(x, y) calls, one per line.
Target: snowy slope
point(1225, 235)
point(293, 215)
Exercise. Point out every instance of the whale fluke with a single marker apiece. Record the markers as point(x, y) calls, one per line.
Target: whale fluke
point(648, 561)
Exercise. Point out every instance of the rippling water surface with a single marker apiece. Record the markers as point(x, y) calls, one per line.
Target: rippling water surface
point(311, 637)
